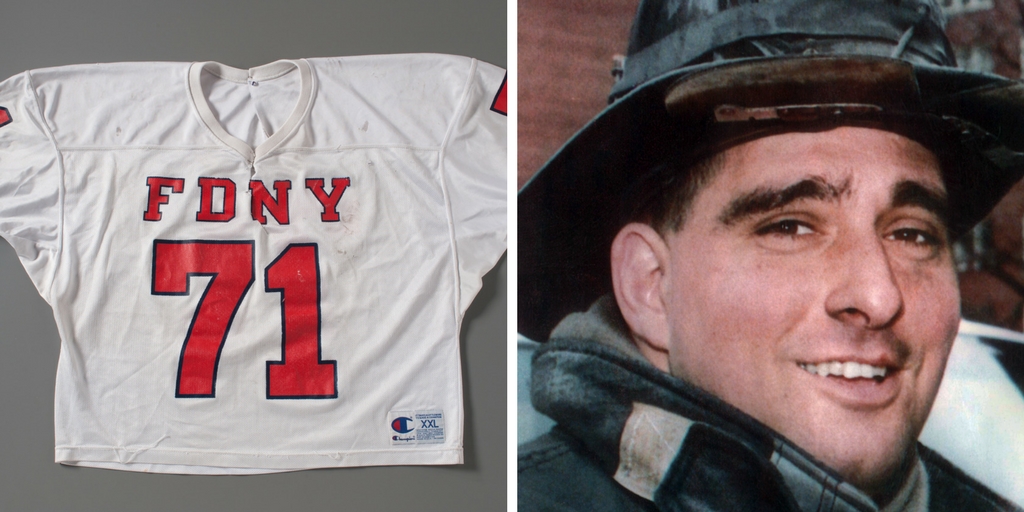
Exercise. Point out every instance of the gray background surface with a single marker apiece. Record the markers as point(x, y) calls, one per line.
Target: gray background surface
point(241, 34)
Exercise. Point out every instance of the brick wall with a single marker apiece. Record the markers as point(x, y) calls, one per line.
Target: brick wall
point(566, 52)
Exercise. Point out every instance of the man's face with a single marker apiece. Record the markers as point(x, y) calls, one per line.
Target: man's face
point(812, 286)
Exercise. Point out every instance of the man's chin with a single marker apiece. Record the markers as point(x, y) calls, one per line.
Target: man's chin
point(881, 481)
point(871, 463)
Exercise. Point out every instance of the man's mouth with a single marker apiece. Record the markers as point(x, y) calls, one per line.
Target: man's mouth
point(846, 370)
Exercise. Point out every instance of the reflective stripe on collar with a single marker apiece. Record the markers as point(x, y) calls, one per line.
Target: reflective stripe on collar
point(650, 441)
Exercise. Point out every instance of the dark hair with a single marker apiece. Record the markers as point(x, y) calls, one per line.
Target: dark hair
point(662, 197)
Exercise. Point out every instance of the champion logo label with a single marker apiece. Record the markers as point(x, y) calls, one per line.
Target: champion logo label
point(402, 425)
point(500, 103)
point(413, 428)
point(5, 116)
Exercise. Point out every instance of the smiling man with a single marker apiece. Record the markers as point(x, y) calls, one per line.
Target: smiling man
point(811, 286)
point(745, 263)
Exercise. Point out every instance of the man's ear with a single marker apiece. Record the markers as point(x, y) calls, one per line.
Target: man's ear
point(639, 263)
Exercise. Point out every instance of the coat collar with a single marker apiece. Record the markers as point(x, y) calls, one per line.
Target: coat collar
point(648, 428)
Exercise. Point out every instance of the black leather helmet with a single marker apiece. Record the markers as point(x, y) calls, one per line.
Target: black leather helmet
point(703, 74)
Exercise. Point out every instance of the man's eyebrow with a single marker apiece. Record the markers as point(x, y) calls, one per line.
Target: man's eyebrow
point(913, 193)
point(763, 199)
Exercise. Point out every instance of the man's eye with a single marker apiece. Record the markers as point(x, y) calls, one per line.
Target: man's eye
point(787, 227)
point(915, 236)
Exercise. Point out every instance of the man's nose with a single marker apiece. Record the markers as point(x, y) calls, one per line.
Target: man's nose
point(866, 291)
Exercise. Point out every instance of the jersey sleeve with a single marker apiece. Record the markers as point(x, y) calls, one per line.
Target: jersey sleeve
point(476, 178)
point(30, 184)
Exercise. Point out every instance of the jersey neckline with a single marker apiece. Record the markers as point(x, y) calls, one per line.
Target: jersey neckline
point(260, 73)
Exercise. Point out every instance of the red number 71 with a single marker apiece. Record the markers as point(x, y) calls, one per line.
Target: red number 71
point(295, 274)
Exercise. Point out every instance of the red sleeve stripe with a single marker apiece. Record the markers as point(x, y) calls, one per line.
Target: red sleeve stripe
point(500, 103)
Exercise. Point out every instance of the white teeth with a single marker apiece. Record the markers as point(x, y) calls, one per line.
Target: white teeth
point(848, 370)
point(866, 372)
point(851, 370)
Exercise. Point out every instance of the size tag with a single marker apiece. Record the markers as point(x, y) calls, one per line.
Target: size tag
point(416, 427)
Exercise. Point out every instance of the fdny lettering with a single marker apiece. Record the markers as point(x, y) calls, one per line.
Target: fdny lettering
point(209, 187)
point(328, 201)
point(217, 197)
point(500, 102)
point(5, 116)
point(261, 199)
point(157, 197)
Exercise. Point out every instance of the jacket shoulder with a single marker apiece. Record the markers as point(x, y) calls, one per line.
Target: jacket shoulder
point(557, 473)
point(952, 489)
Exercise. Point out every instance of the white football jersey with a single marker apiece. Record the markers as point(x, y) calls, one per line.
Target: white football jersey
point(257, 270)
